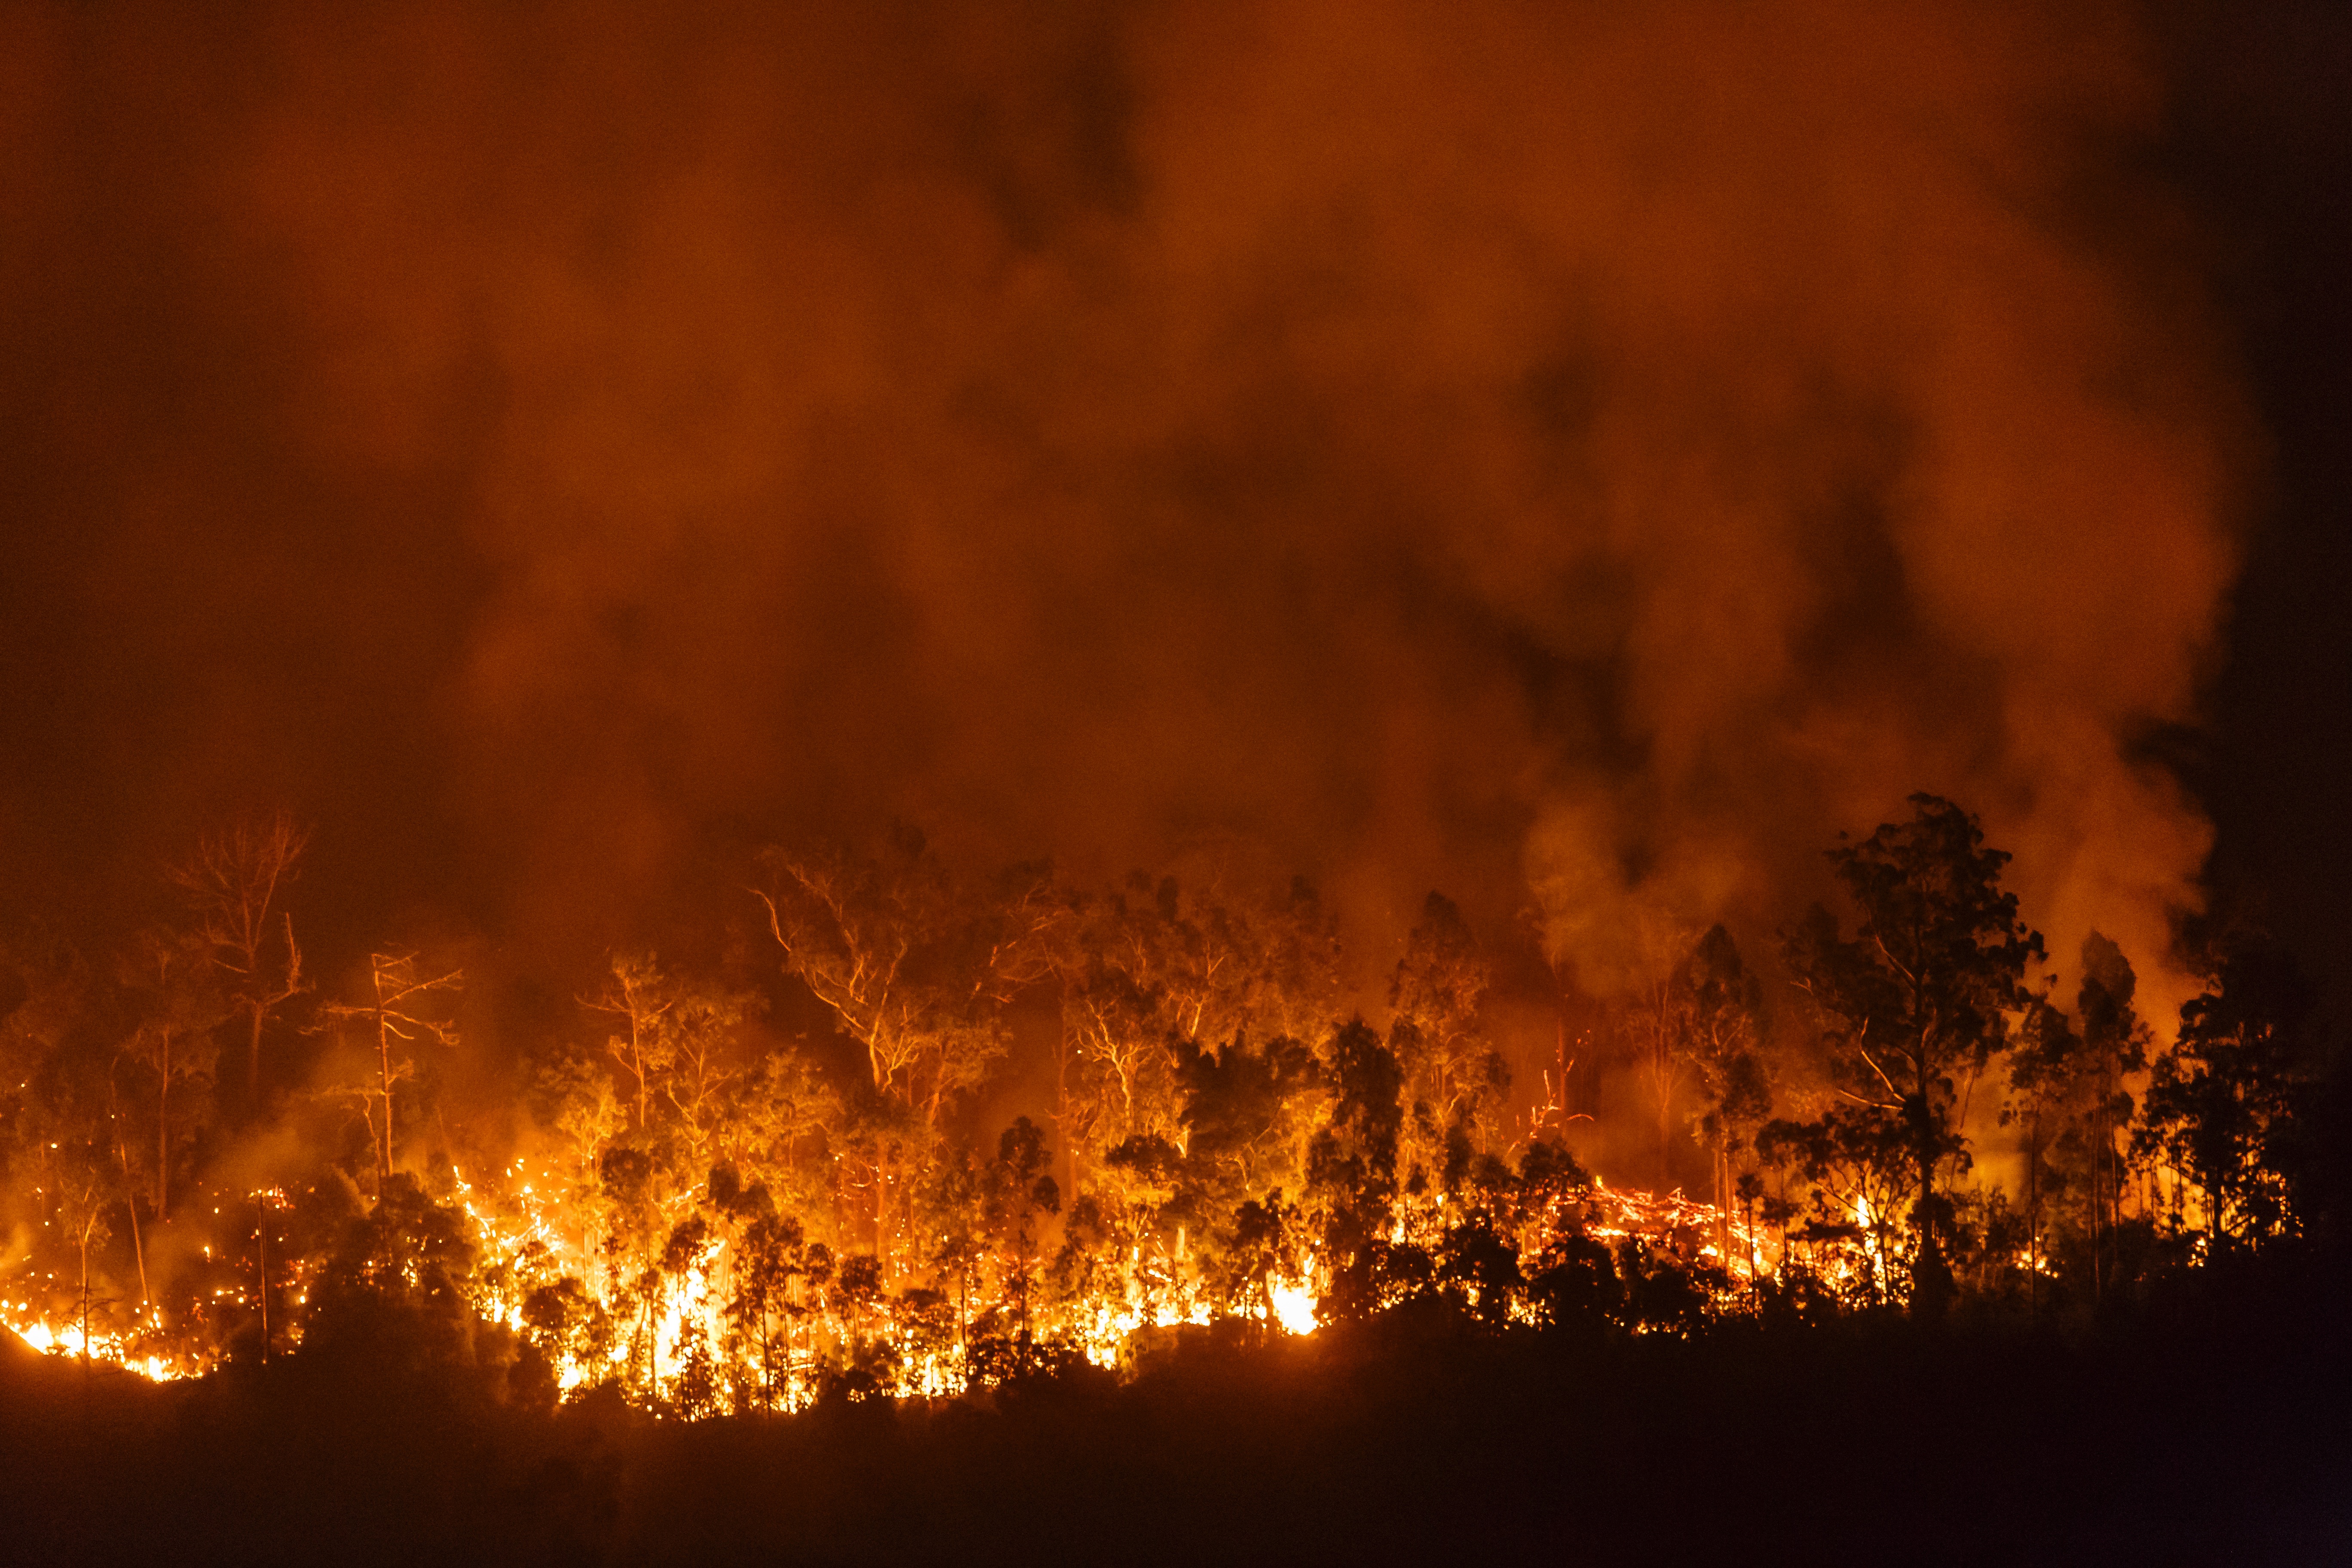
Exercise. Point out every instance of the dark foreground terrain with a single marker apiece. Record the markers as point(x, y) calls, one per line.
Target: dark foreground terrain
point(2208, 1429)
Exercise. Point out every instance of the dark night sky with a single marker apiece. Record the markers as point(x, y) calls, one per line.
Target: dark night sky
point(2265, 143)
point(1505, 447)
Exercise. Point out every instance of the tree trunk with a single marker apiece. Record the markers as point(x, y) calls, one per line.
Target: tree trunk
point(384, 1055)
point(87, 1227)
point(1559, 1055)
point(637, 1066)
point(2101, 1149)
point(253, 1060)
point(138, 1248)
point(1930, 1277)
point(2032, 1213)
point(1926, 1273)
point(163, 1131)
point(1755, 1289)
point(1723, 1197)
point(1062, 1118)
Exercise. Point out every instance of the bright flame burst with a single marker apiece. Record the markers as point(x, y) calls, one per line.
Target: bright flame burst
point(65, 1339)
point(671, 1333)
point(1294, 1308)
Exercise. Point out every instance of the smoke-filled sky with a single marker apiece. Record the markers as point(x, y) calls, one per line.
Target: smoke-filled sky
point(1579, 456)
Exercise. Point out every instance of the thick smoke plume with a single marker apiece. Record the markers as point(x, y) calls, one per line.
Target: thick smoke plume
point(1595, 448)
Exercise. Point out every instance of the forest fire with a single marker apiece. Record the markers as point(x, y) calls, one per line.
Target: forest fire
point(820, 767)
point(519, 1238)
point(707, 1219)
point(67, 1340)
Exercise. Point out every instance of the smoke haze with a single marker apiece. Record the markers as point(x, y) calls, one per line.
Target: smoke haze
point(1588, 454)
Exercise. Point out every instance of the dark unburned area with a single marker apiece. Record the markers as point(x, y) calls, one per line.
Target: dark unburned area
point(2205, 1426)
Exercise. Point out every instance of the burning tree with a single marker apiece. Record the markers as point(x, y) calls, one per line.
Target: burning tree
point(1919, 996)
point(917, 969)
point(1351, 1168)
point(233, 883)
point(177, 1009)
point(2068, 1101)
point(1132, 984)
point(1655, 1018)
point(913, 966)
point(1723, 1042)
point(1454, 1079)
point(1151, 979)
point(678, 1052)
point(393, 1015)
point(710, 1222)
point(2221, 1103)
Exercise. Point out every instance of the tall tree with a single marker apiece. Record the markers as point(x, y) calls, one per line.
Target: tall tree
point(637, 995)
point(2222, 1104)
point(74, 1176)
point(1724, 1046)
point(1156, 969)
point(679, 1050)
point(1248, 1113)
point(1017, 1188)
point(2114, 1047)
point(1351, 1166)
point(397, 1016)
point(1920, 994)
point(1655, 1019)
point(782, 1125)
point(1120, 1018)
point(236, 882)
point(914, 967)
point(2047, 1081)
point(178, 1010)
point(2067, 1099)
point(81, 1179)
point(1452, 1074)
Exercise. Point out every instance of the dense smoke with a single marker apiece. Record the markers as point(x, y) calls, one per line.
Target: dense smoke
point(1593, 450)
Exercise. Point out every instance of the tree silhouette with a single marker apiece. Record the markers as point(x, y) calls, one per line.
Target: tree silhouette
point(1919, 994)
point(178, 1009)
point(2221, 1103)
point(2046, 1072)
point(1018, 1189)
point(396, 1292)
point(395, 1015)
point(1453, 1075)
point(1351, 1166)
point(1725, 1028)
point(233, 883)
point(2068, 1099)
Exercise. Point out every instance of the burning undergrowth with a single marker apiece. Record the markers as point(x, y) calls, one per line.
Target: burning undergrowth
point(703, 1216)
